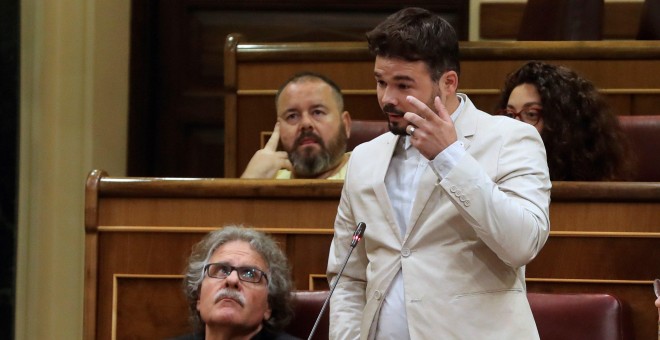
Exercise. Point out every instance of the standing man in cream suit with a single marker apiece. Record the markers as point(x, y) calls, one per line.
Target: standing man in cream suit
point(455, 201)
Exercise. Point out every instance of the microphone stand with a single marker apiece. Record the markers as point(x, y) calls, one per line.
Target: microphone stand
point(357, 236)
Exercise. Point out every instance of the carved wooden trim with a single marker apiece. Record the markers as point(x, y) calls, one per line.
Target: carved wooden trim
point(204, 230)
point(590, 281)
point(230, 74)
point(115, 293)
point(218, 187)
point(91, 252)
point(470, 50)
point(320, 189)
point(620, 234)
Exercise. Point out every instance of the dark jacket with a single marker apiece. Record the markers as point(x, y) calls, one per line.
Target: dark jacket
point(264, 334)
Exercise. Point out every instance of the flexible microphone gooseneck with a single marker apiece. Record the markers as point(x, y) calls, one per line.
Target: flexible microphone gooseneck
point(357, 236)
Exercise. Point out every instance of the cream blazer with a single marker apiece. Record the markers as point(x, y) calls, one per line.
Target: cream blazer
point(468, 240)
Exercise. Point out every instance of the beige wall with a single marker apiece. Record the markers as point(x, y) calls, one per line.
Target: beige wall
point(74, 105)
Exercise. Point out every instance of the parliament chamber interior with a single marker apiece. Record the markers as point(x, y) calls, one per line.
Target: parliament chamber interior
point(204, 76)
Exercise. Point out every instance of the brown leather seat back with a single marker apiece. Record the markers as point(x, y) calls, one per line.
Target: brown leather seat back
point(580, 316)
point(558, 316)
point(643, 132)
point(306, 307)
point(364, 131)
point(649, 22)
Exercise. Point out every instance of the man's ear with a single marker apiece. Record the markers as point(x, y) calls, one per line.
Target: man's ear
point(267, 314)
point(449, 82)
point(346, 119)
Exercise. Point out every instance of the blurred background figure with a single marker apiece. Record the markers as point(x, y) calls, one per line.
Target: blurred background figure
point(583, 140)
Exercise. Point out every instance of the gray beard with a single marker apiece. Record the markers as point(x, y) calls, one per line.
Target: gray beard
point(309, 166)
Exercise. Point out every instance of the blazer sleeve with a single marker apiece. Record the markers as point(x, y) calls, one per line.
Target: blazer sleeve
point(504, 180)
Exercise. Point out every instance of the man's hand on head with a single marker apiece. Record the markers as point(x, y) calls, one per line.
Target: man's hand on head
point(268, 161)
point(433, 132)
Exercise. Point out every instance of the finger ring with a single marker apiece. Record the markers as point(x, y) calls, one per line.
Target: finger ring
point(412, 130)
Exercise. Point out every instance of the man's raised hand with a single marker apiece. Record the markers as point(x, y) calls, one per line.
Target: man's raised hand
point(268, 161)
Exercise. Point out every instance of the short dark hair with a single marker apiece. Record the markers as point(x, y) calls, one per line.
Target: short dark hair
point(279, 276)
point(311, 76)
point(415, 34)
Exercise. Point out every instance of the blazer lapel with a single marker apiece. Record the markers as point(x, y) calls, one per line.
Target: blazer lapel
point(424, 191)
point(466, 123)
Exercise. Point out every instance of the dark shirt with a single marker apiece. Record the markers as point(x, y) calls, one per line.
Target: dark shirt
point(267, 335)
point(264, 334)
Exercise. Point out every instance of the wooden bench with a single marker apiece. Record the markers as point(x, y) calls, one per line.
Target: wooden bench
point(605, 238)
point(625, 71)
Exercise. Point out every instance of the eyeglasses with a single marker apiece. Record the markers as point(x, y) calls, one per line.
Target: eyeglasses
point(223, 270)
point(530, 115)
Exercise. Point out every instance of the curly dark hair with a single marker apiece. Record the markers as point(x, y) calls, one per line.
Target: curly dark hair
point(415, 34)
point(583, 140)
point(279, 276)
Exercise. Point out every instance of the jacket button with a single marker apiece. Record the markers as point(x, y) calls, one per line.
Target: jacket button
point(378, 295)
point(405, 252)
point(452, 189)
point(466, 203)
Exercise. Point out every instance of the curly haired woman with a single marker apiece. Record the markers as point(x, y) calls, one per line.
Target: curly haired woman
point(583, 140)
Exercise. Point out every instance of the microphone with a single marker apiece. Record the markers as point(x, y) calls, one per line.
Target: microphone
point(357, 236)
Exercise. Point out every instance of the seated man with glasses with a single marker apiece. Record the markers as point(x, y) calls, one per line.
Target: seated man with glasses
point(583, 140)
point(238, 286)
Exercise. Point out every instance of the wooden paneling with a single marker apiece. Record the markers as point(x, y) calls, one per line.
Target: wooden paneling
point(162, 311)
point(501, 20)
point(625, 71)
point(139, 232)
point(177, 93)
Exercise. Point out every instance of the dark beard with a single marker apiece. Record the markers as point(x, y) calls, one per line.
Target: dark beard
point(309, 165)
point(394, 127)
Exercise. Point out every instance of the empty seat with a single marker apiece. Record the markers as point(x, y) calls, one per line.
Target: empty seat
point(364, 131)
point(580, 316)
point(306, 308)
point(649, 23)
point(562, 20)
point(643, 133)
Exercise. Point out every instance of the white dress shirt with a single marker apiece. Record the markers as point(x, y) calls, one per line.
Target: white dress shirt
point(402, 179)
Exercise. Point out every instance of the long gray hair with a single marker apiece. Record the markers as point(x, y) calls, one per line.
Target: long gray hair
point(279, 276)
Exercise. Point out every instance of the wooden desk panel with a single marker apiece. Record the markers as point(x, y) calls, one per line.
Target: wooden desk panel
point(502, 19)
point(161, 311)
point(139, 232)
point(625, 71)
